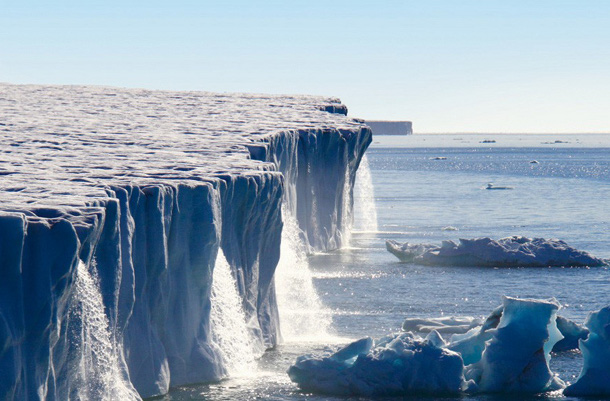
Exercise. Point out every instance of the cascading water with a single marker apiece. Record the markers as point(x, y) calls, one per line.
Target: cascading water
point(365, 212)
point(347, 216)
point(303, 317)
point(228, 322)
point(96, 372)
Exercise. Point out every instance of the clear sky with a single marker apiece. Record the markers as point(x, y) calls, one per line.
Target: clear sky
point(447, 65)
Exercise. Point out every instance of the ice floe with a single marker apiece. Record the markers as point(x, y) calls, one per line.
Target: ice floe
point(515, 251)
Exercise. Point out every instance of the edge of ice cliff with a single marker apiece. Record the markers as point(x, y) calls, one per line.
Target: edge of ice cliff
point(121, 199)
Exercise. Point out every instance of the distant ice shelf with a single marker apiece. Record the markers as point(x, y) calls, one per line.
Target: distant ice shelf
point(118, 205)
point(380, 127)
point(515, 251)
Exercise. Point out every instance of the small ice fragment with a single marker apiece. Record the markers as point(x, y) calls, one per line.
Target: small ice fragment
point(492, 186)
point(594, 379)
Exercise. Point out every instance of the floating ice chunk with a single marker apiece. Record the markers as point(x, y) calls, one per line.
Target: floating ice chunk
point(449, 228)
point(515, 251)
point(594, 379)
point(444, 325)
point(472, 343)
point(516, 357)
point(492, 186)
point(397, 364)
point(408, 252)
point(571, 332)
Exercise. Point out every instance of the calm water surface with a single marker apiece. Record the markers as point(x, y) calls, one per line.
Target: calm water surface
point(565, 195)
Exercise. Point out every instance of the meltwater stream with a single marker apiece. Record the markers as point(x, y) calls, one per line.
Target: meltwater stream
point(303, 317)
point(365, 210)
point(364, 291)
point(93, 353)
point(228, 323)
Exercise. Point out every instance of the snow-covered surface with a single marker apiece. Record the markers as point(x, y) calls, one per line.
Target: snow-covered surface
point(62, 145)
point(594, 379)
point(515, 251)
point(135, 193)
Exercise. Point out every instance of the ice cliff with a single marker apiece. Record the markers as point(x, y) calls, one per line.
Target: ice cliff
point(118, 206)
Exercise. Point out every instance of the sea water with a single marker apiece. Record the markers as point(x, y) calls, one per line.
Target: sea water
point(423, 184)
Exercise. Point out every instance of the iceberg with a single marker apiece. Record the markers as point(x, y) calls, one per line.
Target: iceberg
point(472, 343)
point(515, 359)
point(594, 379)
point(398, 364)
point(119, 204)
point(515, 251)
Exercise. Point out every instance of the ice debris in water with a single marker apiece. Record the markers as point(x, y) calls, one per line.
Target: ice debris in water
point(594, 379)
point(470, 334)
point(516, 358)
point(515, 251)
point(443, 325)
point(508, 353)
point(393, 365)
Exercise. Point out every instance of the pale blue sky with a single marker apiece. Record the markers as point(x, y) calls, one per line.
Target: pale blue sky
point(449, 66)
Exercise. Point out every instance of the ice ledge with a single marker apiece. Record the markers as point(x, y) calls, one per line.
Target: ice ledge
point(64, 144)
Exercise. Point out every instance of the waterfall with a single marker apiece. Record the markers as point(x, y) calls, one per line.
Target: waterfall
point(95, 368)
point(365, 212)
point(228, 322)
point(303, 317)
point(347, 212)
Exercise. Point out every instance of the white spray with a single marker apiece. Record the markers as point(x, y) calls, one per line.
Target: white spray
point(303, 317)
point(365, 212)
point(347, 217)
point(94, 360)
point(228, 322)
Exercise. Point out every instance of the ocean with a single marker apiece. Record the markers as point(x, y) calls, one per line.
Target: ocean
point(411, 189)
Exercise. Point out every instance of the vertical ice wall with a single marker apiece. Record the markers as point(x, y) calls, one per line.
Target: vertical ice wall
point(320, 170)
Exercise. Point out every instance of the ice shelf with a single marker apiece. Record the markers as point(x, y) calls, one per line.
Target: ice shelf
point(115, 204)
